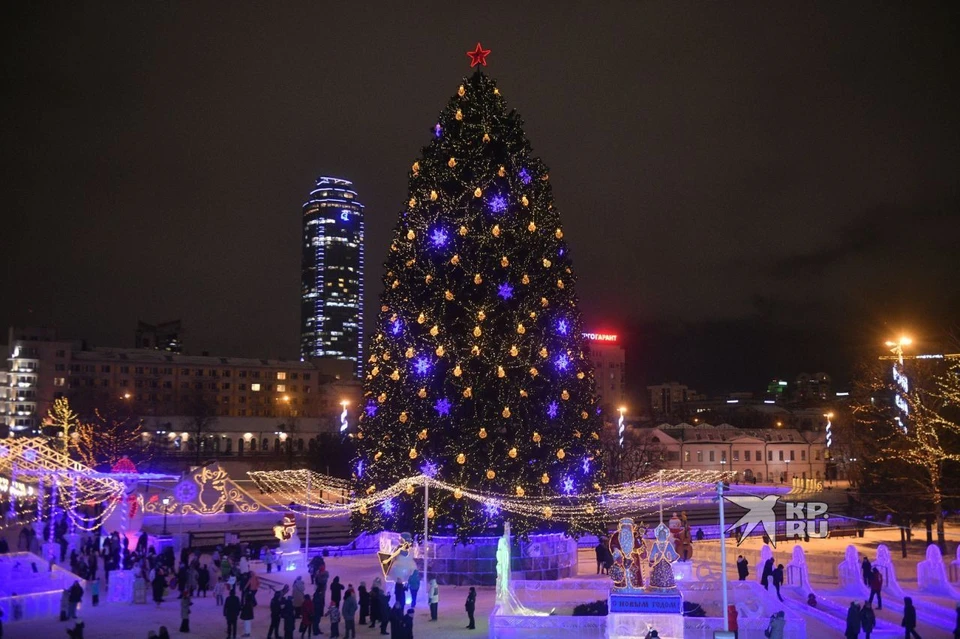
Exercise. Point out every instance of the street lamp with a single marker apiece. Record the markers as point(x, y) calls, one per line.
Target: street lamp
point(621, 428)
point(166, 502)
point(827, 429)
point(343, 416)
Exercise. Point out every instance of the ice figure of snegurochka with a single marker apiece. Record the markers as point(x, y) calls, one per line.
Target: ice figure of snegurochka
point(661, 560)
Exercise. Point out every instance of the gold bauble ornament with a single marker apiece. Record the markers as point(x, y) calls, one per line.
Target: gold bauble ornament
point(421, 318)
point(475, 350)
point(440, 351)
point(580, 375)
point(531, 226)
point(544, 478)
point(496, 230)
point(476, 331)
point(378, 455)
point(577, 434)
point(461, 91)
point(395, 375)
point(525, 279)
point(560, 284)
point(430, 512)
point(595, 435)
point(504, 262)
point(457, 371)
point(501, 171)
point(491, 474)
point(564, 394)
point(459, 115)
point(372, 489)
point(547, 263)
point(596, 486)
point(452, 162)
point(375, 371)
point(416, 168)
point(413, 453)
point(433, 196)
point(533, 371)
point(520, 491)
point(395, 284)
point(422, 434)
point(536, 437)
point(428, 278)
point(584, 414)
point(463, 231)
point(455, 260)
point(520, 329)
point(477, 192)
point(363, 509)
point(506, 412)
point(384, 309)
point(409, 489)
point(382, 397)
point(482, 434)
point(561, 454)
point(501, 372)
point(525, 201)
point(544, 302)
point(481, 316)
point(512, 453)
point(409, 352)
point(411, 235)
point(468, 392)
point(523, 393)
point(422, 393)
point(477, 279)
point(410, 262)
point(386, 356)
point(496, 91)
point(590, 510)
point(448, 296)
point(486, 138)
point(403, 417)
point(514, 351)
point(457, 493)
point(533, 315)
point(543, 352)
point(435, 330)
point(461, 459)
point(412, 203)
point(547, 512)
point(559, 234)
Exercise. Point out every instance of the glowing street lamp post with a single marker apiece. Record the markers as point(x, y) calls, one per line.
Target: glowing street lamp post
point(166, 504)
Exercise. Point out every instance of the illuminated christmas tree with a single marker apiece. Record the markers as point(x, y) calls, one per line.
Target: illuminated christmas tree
point(477, 372)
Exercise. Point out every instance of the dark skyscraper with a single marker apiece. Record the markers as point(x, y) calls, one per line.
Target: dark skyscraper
point(331, 315)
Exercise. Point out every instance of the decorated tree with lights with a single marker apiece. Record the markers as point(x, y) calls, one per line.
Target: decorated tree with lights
point(62, 418)
point(477, 372)
point(108, 437)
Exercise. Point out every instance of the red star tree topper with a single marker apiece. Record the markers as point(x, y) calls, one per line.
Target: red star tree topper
point(478, 56)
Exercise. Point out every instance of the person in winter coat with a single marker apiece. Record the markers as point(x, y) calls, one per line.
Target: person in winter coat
point(743, 568)
point(414, 585)
point(289, 615)
point(408, 624)
point(307, 617)
point(778, 580)
point(471, 607)
point(909, 622)
point(185, 603)
point(374, 605)
point(336, 591)
point(853, 621)
point(868, 620)
point(396, 621)
point(732, 621)
point(231, 610)
point(866, 570)
point(766, 574)
point(203, 580)
point(299, 589)
point(349, 610)
point(776, 625)
point(75, 597)
point(363, 599)
point(434, 595)
point(276, 605)
point(246, 613)
point(876, 585)
point(384, 612)
point(399, 593)
point(333, 612)
point(159, 585)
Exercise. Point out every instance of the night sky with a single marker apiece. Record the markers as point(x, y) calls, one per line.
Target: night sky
point(749, 189)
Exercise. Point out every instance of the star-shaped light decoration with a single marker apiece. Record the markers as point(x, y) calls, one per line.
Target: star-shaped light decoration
point(562, 327)
point(371, 409)
point(491, 509)
point(442, 406)
point(585, 465)
point(505, 291)
point(360, 469)
point(563, 362)
point(422, 366)
point(438, 130)
point(525, 176)
point(498, 204)
point(438, 237)
point(552, 410)
point(396, 327)
point(388, 506)
point(568, 485)
point(478, 56)
point(429, 469)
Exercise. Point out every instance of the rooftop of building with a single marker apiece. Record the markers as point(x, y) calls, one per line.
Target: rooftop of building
point(726, 433)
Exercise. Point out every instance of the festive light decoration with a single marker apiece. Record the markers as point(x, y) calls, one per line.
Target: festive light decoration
point(487, 302)
point(478, 56)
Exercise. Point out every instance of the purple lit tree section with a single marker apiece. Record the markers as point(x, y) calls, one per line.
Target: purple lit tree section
point(479, 365)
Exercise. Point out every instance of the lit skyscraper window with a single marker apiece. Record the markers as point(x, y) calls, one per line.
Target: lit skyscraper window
point(331, 310)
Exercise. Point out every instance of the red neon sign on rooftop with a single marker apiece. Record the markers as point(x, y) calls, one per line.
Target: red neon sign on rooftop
point(601, 337)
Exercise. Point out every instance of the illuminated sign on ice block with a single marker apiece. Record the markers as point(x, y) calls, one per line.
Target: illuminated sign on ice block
point(601, 337)
point(660, 603)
